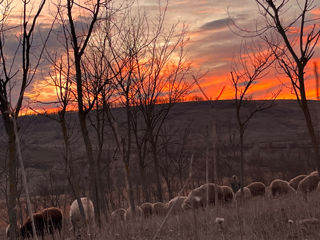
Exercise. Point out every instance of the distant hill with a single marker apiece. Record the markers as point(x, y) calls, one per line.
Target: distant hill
point(280, 127)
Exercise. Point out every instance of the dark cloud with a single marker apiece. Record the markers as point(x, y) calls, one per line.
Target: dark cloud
point(216, 24)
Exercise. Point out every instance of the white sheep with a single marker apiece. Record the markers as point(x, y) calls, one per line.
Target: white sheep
point(227, 194)
point(76, 218)
point(294, 182)
point(309, 183)
point(129, 214)
point(118, 215)
point(257, 189)
point(159, 208)
point(147, 209)
point(176, 203)
point(198, 196)
point(280, 187)
point(246, 194)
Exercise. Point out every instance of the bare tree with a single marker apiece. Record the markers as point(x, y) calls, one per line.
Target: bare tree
point(160, 82)
point(79, 37)
point(61, 78)
point(14, 80)
point(293, 42)
point(250, 69)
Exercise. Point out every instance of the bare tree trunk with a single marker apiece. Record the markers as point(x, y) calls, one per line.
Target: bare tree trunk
point(241, 160)
point(157, 175)
point(129, 189)
point(93, 173)
point(168, 183)
point(68, 167)
point(12, 167)
point(24, 177)
point(312, 133)
point(145, 190)
point(122, 147)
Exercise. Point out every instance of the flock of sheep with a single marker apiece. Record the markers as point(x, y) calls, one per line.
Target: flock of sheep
point(50, 219)
point(207, 194)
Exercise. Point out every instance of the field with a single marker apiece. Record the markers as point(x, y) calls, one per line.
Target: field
point(259, 218)
point(276, 146)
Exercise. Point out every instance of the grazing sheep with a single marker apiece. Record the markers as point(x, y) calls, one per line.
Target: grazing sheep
point(118, 215)
point(147, 209)
point(227, 194)
point(281, 187)
point(129, 214)
point(257, 189)
point(309, 183)
point(8, 229)
point(26, 228)
point(176, 203)
point(198, 196)
point(159, 208)
point(246, 194)
point(294, 182)
point(52, 218)
point(76, 218)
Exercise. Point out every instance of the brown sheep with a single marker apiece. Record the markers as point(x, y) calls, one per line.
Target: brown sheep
point(198, 196)
point(294, 182)
point(280, 187)
point(129, 214)
point(118, 215)
point(227, 194)
point(26, 228)
point(257, 189)
point(309, 183)
point(46, 221)
point(52, 219)
point(160, 208)
point(147, 209)
point(246, 194)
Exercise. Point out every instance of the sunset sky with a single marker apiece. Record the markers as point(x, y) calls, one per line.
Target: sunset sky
point(212, 46)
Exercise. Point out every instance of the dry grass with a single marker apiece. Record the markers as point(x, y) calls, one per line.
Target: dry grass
point(255, 219)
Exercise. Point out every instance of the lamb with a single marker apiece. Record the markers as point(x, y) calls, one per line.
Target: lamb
point(76, 218)
point(227, 194)
point(246, 194)
point(257, 189)
point(309, 183)
point(159, 208)
point(280, 187)
point(198, 196)
point(129, 214)
point(294, 182)
point(176, 203)
point(118, 215)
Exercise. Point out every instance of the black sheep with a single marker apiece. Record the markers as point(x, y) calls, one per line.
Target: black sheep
point(46, 221)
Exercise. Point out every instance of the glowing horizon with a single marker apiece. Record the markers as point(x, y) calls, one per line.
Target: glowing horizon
point(212, 48)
